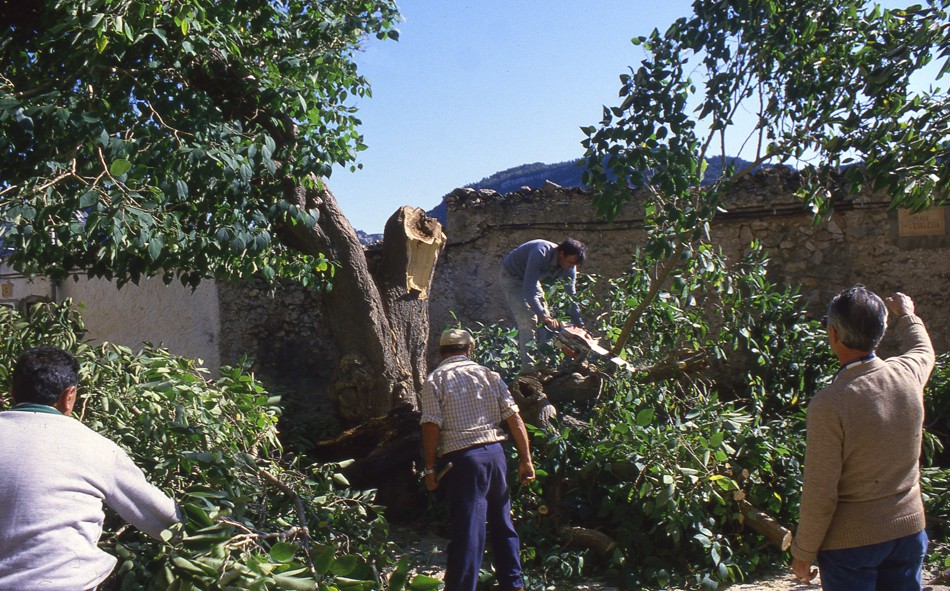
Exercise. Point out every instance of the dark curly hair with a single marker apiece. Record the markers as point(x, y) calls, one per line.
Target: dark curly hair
point(42, 375)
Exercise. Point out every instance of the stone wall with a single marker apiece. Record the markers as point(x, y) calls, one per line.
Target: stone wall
point(863, 242)
point(285, 332)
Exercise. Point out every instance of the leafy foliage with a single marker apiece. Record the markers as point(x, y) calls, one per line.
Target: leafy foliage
point(143, 137)
point(934, 481)
point(660, 466)
point(256, 518)
point(828, 84)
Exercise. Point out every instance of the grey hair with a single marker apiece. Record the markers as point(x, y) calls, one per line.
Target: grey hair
point(859, 316)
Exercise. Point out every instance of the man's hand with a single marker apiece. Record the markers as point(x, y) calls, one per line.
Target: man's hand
point(550, 322)
point(803, 570)
point(431, 482)
point(525, 471)
point(900, 304)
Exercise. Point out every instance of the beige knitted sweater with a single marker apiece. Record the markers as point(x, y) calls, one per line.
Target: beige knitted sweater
point(862, 476)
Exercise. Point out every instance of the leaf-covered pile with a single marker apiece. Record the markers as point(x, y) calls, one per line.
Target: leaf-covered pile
point(663, 464)
point(256, 517)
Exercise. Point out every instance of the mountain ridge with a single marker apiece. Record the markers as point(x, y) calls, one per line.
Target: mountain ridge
point(534, 175)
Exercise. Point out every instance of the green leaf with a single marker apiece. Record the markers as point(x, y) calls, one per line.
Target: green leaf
point(294, 583)
point(424, 583)
point(119, 167)
point(196, 515)
point(400, 575)
point(344, 565)
point(645, 417)
point(24, 121)
point(88, 199)
point(155, 246)
point(94, 20)
point(283, 552)
point(724, 482)
point(322, 557)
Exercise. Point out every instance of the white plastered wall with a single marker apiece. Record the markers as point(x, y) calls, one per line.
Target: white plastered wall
point(183, 321)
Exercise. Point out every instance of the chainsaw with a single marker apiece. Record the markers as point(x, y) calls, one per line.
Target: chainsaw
point(576, 342)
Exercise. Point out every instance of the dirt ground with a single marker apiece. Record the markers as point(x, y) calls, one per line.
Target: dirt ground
point(785, 582)
point(426, 548)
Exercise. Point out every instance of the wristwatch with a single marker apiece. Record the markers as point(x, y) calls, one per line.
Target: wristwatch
point(428, 471)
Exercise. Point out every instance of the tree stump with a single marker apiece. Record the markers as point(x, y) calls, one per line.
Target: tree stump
point(384, 451)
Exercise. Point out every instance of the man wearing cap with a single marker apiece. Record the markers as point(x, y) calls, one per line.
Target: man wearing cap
point(862, 516)
point(463, 405)
point(520, 278)
point(55, 474)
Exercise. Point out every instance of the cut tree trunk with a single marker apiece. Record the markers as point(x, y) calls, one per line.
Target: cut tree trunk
point(412, 242)
point(574, 386)
point(379, 322)
point(533, 404)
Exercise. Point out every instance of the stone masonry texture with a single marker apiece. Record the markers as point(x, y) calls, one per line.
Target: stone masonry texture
point(860, 243)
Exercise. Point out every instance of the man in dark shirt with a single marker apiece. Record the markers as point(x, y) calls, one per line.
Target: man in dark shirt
point(520, 277)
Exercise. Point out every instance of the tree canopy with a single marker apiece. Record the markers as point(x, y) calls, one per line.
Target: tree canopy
point(828, 83)
point(185, 138)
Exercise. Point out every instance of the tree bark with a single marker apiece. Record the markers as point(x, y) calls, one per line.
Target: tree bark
point(533, 404)
point(597, 541)
point(777, 534)
point(381, 323)
point(412, 242)
point(574, 386)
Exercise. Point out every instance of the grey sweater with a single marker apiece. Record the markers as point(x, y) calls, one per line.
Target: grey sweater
point(55, 474)
point(535, 261)
point(862, 476)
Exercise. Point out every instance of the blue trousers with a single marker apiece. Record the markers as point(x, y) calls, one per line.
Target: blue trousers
point(478, 495)
point(524, 317)
point(895, 565)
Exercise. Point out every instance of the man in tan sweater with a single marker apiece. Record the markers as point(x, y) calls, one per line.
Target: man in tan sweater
point(862, 516)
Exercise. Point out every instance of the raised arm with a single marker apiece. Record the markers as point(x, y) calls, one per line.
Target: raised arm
point(917, 352)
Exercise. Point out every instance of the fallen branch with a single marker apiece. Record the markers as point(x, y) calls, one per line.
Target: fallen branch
point(678, 363)
point(595, 540)
point(304, 530)
point(763, 523)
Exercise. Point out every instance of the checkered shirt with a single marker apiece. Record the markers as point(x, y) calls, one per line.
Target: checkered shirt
point(467, 402)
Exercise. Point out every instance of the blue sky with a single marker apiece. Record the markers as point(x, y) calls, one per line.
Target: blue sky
point(472, 88)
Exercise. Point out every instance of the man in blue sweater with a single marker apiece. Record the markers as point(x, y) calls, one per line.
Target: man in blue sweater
point(55, 475)
point(520, 277)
